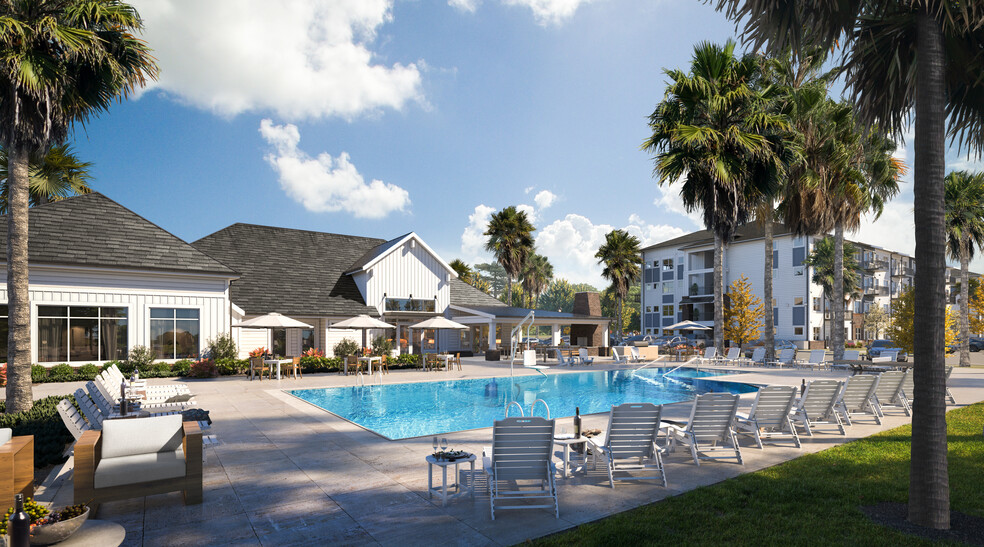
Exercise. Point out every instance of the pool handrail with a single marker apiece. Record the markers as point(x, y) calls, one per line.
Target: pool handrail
point(519, 406)
point(532, 406)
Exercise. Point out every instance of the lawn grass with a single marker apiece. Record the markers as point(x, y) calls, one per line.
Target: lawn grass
point(812, 500)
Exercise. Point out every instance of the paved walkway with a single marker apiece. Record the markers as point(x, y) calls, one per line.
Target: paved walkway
point(287, 473)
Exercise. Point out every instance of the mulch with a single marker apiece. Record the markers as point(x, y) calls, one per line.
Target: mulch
point(963, 528)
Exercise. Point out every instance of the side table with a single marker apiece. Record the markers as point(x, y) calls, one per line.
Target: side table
point(444, 464)
point(567, 441)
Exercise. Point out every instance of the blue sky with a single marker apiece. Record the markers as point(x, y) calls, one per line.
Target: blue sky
point(375, 118)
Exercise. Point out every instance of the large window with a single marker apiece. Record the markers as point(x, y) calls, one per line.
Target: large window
point(410, 304)
point(174, 333)
point(307, 339)
point(80, 333)
point(279, 342)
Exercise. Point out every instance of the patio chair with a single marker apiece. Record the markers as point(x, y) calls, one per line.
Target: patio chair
point(786, 357)
point(520, 455)
point(849, 355)
point(456, 361)
point(815, 360)
point(74, 422)
point(634, 355)
point(117, 376)
point(769, 416)
point(293, 368)
point(949, 371)
point(888, 392)
point(89, 409)
point(710, 354)
point(257, 367)
point(886, 357)
point(16, 466)
point(562, 360)
point(858, 398)
point(105, 400)
point(816, 406)
point(758, 357)
point(582, 357)
point(629, 443)
point(619, 359)
point(712, 420)
point(352, 361)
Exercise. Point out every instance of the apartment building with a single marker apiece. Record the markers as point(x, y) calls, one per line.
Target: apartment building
point(678, 277)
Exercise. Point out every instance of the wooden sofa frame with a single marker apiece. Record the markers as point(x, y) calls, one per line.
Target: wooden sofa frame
point(16, 469)
point(88, 453)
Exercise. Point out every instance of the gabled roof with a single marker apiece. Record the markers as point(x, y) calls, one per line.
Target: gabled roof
point(93, 230)
point(376, 254)
point(293, 272)
point(751, 230)
point(463, 294)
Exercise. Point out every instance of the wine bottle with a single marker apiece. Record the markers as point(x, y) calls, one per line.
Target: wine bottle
point(577, 429)
point(19, 524)
point(123, 398)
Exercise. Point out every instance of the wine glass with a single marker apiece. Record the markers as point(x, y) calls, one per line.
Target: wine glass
point(435, 445)
point(444, 444)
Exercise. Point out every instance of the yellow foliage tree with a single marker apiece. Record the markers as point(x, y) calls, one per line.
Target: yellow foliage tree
point(977, 310)
point(901, 330)
point(743, 312)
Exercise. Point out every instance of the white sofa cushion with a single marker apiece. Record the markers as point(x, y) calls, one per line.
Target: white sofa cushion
point(138, 436)
point(139, 468)
point(5, 435)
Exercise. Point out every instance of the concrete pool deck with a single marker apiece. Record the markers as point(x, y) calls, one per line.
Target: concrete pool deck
point(288, 473)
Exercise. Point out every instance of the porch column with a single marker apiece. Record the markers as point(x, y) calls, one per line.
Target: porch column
point(555, 331)
point(604, 336)
point(492, 335)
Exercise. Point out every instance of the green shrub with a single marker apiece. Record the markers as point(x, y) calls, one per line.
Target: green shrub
point(61, 373)
point(231, 366)
point(42, 421)
point(221, 347)
point(347, 347)
point(140, 357)
point(38, 374)
point(204, 369)
point(182, 367)
point(382, 346)
point(161, 370)
point(407, 360)
point(311, 364)
point(87, 372)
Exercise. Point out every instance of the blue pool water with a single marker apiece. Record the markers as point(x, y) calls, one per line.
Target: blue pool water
point(400, 411)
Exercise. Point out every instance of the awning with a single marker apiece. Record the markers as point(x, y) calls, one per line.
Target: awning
point(696, 300)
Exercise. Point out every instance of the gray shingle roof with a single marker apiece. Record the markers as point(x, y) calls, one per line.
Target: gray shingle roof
point(464, 295)
point(752, 230)
point(293, 272)
point(93, 230)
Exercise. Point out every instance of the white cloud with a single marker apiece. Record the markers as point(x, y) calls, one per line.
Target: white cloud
point(544, 199)
point(326, 184)
point(528, 189)
point(529, 210)
point(464, 5)
point(473, 238)
point(299, 59)
point(669, 200)
point(546, 12)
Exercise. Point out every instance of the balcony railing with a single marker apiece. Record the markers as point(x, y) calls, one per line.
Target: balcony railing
point(903, 271)
point(875, 264)
point(879, 290)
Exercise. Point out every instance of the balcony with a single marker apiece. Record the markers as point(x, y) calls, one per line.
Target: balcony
point(877, 290)
point(903, 271)
point(874, 264)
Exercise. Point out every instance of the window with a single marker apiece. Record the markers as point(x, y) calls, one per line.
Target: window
point(798, 301)
point(667, 311)
point(816, 303)
point(816, 333)
point(410, 304)
point(80, 333)
point(278, 342)
point(307, 339)
point(775, 258)
point(798, 331)
point(799, 255)
point(667, 264)
point(799, 315)
point(649, 309)
point(775, 317)
point(667, 288)
point(174, 333)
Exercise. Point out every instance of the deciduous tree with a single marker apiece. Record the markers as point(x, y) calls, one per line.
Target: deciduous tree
point(743, 312)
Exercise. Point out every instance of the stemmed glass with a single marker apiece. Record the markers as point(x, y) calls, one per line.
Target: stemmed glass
point(444, 444)
point(435, 445)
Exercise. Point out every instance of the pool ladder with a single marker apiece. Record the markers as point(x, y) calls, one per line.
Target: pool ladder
point(532, 406)
point(360, 379)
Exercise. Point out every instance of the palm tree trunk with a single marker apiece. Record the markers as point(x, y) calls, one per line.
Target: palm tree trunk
point(719, 293)
point(509, 290)
point(929, 486)
point(837, 335)
point(19, 395)
point(770, 335)
point(964, 300)
point(619, 312)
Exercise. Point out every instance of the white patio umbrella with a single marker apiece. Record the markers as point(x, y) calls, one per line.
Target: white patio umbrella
point(687, 325)
point(272, 321)
point(438, 322)
point(362, 322)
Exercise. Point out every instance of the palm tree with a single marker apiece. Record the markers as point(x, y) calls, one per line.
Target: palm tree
point(537, 276)
point(463, 270)
point(59, 174)
point(63, 61)
point(823, 260)
point(902, 57)
point(964, 215)
point(714, 133)
point(621, 258)
point(510, 236)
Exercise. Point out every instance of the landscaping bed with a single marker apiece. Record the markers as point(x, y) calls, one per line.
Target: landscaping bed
point(815, 499)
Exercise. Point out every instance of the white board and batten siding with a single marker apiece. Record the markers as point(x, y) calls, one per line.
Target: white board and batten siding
point(409, 270)
point(136, 291)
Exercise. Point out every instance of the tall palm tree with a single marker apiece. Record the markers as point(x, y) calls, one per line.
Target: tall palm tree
point(714, 134)
point(463, 270)
point(536, 276)
point(621, 258)
point(57, 175)
point(901, 58)
point(964, 216)
point(510, 240)
point(823, 260)
point(61, 62)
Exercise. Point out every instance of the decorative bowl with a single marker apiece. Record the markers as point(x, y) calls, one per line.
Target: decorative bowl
point(48, 534)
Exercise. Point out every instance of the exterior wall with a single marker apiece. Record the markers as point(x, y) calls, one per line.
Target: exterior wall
point(408, 270)
point(136, 291)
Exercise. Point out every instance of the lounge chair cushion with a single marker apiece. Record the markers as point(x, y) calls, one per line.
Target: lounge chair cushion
point(5, 435)
point(139, 436)
point(139, 467)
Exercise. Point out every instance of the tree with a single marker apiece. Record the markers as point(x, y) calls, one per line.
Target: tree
point(510, 240)
point(559, 296)
point(56, 175)
point(902, 330)
point(963, 213)
point(876, 320)
point(610, 308)
point(977, 310)
point(823, 260)
point(901, 58)
point(713, 133)
point(463, 270)
point(536, 277)
point(620, 256)
point(494, 275)
point(743, 312)
point(63, 61)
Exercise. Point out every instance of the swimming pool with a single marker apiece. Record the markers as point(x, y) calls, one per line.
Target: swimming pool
point(400, 411)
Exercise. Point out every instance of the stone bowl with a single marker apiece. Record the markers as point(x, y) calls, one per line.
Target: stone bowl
point(59, 531)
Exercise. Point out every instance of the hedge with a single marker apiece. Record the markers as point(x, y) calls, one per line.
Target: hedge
point(50, 434)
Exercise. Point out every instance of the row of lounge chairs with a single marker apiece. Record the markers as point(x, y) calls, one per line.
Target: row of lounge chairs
point(786, 357)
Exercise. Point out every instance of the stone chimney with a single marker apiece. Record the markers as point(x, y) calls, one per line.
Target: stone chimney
point(587, 303)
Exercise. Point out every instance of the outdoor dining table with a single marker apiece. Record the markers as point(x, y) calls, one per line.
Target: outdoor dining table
point(277, 362)
point(368, 361)
point(445, 356)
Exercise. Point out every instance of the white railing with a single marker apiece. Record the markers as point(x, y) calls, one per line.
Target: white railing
point(519, 406)
point(532, 406)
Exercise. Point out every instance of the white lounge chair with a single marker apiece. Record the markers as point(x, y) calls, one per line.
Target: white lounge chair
point(949, 371)
point(712, 420)
point(769, 417)
point(786, 357)
point(74, 422)
point(629, 443)
point(521, 453)
point(858, 397)
point(815, 360)
point(89, 409)
point(758, 357)
point(886, 357)
point(634, 354)
point(619, 359)
point(732, 357)
point(562, 360)
point(582, 356)
point(816, 406)
point(110, 399)
point(849, 355)
point(710, 354)
point(117, 376)
point(888, 393)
